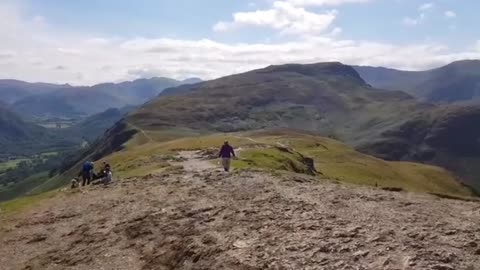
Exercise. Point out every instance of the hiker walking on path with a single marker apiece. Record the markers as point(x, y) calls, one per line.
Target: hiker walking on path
point(87, 171)
point(226, 153)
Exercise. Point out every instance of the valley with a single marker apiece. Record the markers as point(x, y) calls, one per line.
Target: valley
point(38, 118)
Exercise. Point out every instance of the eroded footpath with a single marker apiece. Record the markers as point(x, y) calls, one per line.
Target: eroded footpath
point(208, 219)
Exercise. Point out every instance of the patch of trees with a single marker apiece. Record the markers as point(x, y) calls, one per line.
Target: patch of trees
point(36, 164)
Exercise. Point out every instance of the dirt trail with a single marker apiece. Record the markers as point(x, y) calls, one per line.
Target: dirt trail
point(143, 132)
point(242, 220)
point(194, 162)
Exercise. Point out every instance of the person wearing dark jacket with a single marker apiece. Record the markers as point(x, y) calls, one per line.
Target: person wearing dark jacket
point(87, 171)
point(226, 153)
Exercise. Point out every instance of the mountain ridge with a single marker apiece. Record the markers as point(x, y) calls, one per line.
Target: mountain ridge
point(81, 101)
point(456, 82)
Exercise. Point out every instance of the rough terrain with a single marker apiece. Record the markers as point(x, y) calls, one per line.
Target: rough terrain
point(202, 218)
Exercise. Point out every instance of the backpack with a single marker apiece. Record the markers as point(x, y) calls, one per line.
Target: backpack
point(87, 166)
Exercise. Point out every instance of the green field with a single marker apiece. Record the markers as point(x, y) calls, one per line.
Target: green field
point(18, 177)
point(11, 164)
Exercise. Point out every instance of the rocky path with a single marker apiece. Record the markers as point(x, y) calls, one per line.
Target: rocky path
point(194, 162)
point(242, 220)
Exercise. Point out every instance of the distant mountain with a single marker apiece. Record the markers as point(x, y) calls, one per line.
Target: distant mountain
point(20, 138)
point(47, 105)
point(456, 82)
point(69, 101)
point(192, 81)
point(13, 90)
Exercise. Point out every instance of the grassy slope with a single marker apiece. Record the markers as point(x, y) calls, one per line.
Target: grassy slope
point(333, 160)
point(14, 206)
point(149, 152)
point(24, 187)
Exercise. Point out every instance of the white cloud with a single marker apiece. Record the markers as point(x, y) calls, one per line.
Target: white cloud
point(336, 31)
point(33, 52)
point(423, 10)
point(410, 21)
point(69, 51)
point(325, 2)
point(450, 14)
point(284, 17)
point(7, 54)
point(426, 6)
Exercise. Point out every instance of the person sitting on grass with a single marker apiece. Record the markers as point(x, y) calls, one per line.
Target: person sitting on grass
point(75, 183)
point(108, 176)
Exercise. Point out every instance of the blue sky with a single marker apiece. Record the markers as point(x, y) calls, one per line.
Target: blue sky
point(90, 41)
point(380, 20)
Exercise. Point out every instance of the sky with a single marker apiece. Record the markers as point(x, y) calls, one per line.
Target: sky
point(94, 41)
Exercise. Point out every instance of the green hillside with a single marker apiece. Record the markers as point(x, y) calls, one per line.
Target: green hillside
point(279, 96)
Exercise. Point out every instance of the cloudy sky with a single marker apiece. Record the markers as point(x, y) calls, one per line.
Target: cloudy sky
point(92, 41)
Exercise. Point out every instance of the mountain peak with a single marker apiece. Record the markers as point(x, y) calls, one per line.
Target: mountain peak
point(466, 62)
point(467, 67)
point(331, 69)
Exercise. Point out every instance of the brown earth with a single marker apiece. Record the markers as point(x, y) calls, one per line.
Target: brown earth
point(203, 218)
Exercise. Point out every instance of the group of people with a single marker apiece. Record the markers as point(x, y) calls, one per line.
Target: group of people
point(88, 175)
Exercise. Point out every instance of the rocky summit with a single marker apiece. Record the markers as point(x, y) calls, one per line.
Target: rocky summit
point(195, 216)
